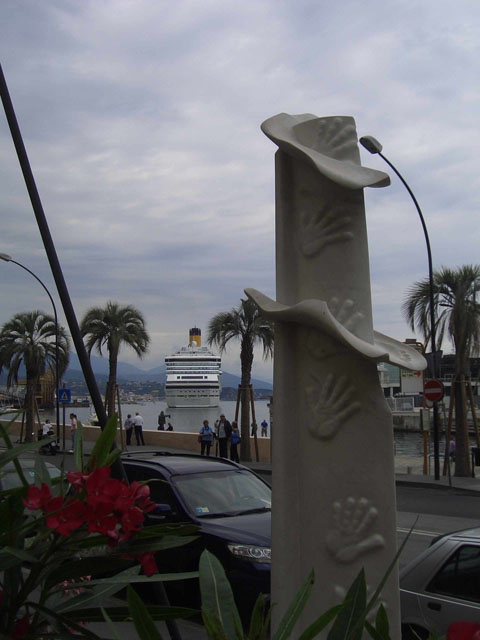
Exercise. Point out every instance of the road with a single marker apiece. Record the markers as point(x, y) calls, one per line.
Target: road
point(438, 511)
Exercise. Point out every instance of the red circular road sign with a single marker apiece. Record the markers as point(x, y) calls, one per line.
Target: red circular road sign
point(433, 390)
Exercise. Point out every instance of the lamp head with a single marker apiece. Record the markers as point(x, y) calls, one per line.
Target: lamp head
point(371, 144)
point(5, 257)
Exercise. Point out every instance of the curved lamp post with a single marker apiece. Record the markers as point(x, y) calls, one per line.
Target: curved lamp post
point(373, 146)
point(6, 258)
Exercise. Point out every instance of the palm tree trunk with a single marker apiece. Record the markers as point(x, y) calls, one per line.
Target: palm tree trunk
point(462, 466)
point(30, 409)
point(112, 383)
point(246, 359)
point(245, 452)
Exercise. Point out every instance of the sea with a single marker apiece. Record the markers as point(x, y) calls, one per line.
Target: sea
point(406, 443)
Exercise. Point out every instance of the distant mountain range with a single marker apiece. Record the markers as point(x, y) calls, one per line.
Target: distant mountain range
point(134, 374)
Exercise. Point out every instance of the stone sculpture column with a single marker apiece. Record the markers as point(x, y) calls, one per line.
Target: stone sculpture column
point(333, 466)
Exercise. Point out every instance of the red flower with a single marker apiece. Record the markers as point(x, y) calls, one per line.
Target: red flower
point(76, 479)
point(463, 631)
point(37, 498)
point(141, 496)
point(131, 520)
point(64, 518)
point(148, 563)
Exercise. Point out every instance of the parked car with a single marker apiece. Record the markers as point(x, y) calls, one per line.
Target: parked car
point(442, 585)
point(231, 506)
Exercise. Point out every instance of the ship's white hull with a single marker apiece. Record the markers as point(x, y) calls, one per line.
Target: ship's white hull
point(193, 376)
point(192, 398)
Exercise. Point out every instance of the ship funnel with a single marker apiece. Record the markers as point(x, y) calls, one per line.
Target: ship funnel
point(195, 336)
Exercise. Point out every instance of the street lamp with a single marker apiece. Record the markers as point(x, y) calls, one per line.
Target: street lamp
point(373, 146)
point(6, 258)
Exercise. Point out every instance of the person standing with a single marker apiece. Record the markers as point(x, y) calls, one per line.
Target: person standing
point(235, 440)
point(138, 426)
point(224, 431)
point(73, 429)
point(264, 425)
point(206, 438)
point(129, 428)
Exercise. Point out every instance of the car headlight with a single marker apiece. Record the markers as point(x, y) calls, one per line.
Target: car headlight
point(250, 552)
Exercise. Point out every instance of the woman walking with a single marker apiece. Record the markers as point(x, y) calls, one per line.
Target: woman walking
point(206, 439)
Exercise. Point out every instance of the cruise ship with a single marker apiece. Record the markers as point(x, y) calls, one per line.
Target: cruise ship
point(193, 375)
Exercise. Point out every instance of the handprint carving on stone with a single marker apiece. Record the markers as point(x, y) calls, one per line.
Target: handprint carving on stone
point(336, 138)
point(351, 535)
point(324, 227)
point(320, 349)
point(344, 311)
point(330, 404)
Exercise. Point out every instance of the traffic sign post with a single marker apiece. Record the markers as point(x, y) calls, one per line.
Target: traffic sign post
point(433, 391)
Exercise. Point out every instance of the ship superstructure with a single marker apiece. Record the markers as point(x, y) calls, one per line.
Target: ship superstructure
point(193, 375)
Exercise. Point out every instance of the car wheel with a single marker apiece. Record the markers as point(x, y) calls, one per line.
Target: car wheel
point(414, 632)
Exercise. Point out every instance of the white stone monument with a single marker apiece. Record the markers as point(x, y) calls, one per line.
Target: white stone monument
point(333, 465)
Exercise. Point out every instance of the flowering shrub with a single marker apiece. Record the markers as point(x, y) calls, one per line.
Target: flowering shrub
point(463, 631)
point(68, 544)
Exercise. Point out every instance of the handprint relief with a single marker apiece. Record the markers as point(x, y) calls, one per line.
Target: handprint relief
point(324, 227)
point(351, 535)
point(320, 349)
point(330, 404)
point(344, 311)
point(336, 138)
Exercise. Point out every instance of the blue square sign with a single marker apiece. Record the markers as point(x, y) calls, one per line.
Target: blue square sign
point(64, 395)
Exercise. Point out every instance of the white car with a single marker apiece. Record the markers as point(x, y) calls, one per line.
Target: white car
point(442, 585)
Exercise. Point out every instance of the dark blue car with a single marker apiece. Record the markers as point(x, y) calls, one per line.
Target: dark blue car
point(230, 504)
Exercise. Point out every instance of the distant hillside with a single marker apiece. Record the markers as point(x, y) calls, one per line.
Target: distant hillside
point(129, 372)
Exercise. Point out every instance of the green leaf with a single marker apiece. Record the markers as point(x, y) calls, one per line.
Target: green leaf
point(119, 614)
point(349, 622)
point(295, 609)
point(217, 596)
point(320, 623)
point(391, 566)
point(65, 623)
point(95, 595)
point(41, 472)
point(256, 619)
point(381, 623)
point(111, 626)
point(142, 545)
point(103, 445)
point(142, 620)
point(373, 632)
point(90, 566)
point(213, 626)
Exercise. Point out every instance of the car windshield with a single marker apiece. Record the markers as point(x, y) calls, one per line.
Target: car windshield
point(223, 493)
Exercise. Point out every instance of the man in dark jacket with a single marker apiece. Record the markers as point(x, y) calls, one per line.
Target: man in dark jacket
point(223, 432)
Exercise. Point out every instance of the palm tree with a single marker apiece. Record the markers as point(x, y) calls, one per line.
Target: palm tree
point(111, 327)
point(457, 315)
point(28, 339)
point(247, 325)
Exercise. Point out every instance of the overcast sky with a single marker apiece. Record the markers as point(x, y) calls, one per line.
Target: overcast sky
point(142, 119)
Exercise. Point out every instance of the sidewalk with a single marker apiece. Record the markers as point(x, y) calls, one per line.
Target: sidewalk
point(408, 470)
